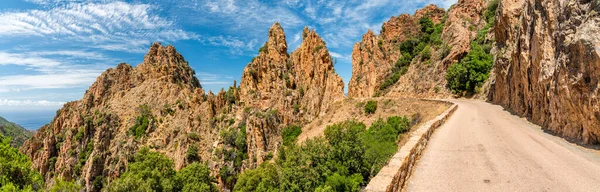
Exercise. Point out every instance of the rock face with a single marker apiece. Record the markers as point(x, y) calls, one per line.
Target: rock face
point(90, 140)
point(373, 58)
point(292, 88)
point(548, 66)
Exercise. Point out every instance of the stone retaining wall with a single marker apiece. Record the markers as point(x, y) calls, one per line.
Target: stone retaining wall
point(394, 175)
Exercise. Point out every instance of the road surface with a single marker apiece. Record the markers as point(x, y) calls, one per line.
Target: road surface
point(484, 148)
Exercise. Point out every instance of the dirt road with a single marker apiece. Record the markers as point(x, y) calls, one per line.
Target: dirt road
point(484, 148)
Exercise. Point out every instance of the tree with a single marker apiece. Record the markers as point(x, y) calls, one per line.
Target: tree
point(470, 73)
point(64, 186)
point(290, 134)
point(264, 178)
point(15, 170)
point(150, 171)
point(196, 177)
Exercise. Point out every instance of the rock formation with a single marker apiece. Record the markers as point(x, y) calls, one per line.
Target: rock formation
point(548, 66)
point(90, 140)
point(160, 104)
point(292, 88)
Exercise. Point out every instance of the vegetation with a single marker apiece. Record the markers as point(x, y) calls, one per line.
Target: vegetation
point(344, 160)
point(16, 132)
point(264, 48)
point(467, 76)
point(64, 186)
point(152, 171)
point(413, 47)
point(15, 170)
point(192, 154)
point(290, 134)
point(370, 107)
point(234, 152)
point(142, 122)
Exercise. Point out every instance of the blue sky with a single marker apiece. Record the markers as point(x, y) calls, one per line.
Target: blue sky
point(51, 51)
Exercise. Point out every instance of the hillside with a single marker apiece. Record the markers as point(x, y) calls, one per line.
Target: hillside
point(15, 131)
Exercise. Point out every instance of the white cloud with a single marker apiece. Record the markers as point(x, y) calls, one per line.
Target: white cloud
point(6, 102)
point(115, 26)
point(26, 60)
point(213, 79)
point(345, 58)
point(48, 81)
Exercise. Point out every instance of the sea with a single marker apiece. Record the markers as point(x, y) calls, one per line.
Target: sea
point(30, 119)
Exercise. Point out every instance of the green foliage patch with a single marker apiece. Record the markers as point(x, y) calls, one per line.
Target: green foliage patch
point(343, 160)
point(371, 107)
point(290, 134)
point(152, 171)
point(15, 170)
point(468, 75)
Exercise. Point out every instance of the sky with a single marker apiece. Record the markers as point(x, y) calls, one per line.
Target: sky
point(51, 51)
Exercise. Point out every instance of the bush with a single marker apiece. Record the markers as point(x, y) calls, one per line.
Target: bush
point(64, 186)
point(426, 53)
point(264, 48)
point(470, 72)
point(343, 160)
point(192, 154)
point(264, 178)
point(141, 122)
point(152, 171)
point(370, 107)
point(290, 134)
point(15, 170)
point(196, 177)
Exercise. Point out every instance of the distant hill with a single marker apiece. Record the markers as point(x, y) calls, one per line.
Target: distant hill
point(18, 133)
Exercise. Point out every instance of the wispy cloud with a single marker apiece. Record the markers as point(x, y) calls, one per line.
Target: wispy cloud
point(214, 79)
point(116, 26)
point(339, 56)
point(48, 81)
point(6, 102)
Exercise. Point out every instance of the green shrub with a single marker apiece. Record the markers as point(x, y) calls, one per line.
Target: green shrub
point(196, 177)
point(152, 171)
point(370, 107)
point(470, 72)
point(192, 154)
point(193, 136)
point(64, 186)
point(264, 48)
point(15, 170)
point(290, 134)
point(426, 53)
point(318, 48)
point(264, 178)
point(142, 122)
point(343, 160)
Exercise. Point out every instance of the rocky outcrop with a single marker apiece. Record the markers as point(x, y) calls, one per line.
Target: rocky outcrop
point(292, 88)
point(375, 57)
point(548, 66)
point(463, 18)
point(90, 140)
point(160, 104)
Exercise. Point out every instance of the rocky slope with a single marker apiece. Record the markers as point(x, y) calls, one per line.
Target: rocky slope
point(548, 66)
point(293, 88)
point(374, 58)
point(17, 133)
point(157, 104)
point(160, 104)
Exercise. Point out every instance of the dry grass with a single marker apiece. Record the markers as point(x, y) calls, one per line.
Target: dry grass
point(386, 107)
